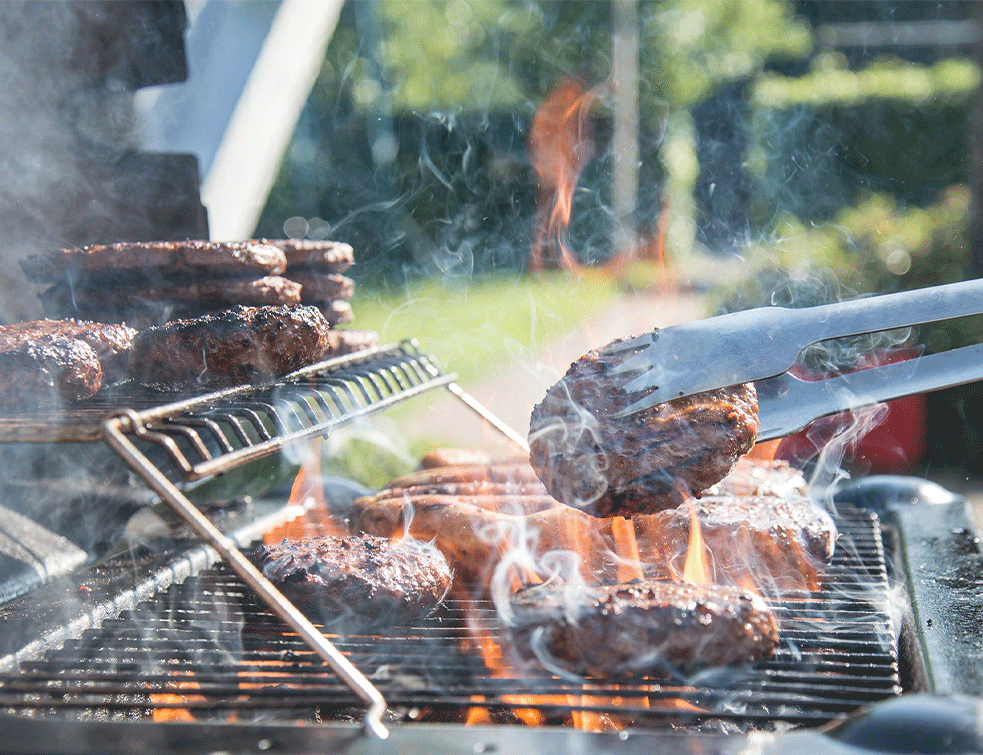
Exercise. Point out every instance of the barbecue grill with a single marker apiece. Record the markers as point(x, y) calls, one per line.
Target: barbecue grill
point(178, 646)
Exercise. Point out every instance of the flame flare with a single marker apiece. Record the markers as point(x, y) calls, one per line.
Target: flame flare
point(696, 568)
point(561, 143)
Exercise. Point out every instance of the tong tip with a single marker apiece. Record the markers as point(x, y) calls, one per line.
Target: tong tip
point(646, 402)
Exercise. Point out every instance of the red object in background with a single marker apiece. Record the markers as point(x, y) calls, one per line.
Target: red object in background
point(894, 446)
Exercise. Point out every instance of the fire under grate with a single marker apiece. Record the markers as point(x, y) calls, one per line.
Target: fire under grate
point(207, 650)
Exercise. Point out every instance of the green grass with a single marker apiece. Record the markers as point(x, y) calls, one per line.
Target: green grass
point(473, 326)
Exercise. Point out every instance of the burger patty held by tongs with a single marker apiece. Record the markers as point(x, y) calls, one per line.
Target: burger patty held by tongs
point(607, 465)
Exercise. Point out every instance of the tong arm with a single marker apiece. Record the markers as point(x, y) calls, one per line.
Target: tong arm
point(787, 404)
point(755, 344)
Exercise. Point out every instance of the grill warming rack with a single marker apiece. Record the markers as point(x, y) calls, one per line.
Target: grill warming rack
point(193, 437)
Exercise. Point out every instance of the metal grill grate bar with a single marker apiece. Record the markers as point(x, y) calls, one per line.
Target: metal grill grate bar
point(208, 648)
point(192, 440)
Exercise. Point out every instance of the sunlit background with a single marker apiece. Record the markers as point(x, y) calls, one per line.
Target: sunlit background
point(508, 169)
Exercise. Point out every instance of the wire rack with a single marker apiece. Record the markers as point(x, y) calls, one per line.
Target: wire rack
point(170, 439)
point(205, 647)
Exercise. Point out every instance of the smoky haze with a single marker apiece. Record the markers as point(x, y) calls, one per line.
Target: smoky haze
point(69, 171)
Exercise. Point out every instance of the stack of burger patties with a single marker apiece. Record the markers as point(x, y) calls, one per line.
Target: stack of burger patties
point(150, 283)
point(201, 294)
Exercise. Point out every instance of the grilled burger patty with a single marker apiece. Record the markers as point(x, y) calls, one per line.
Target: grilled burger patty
point(48, 372)
point(307, 254)
point(336, 312)
point(777, 544)
point(322, 287)
point(45, 362)
point(237, 346)
point(348, 341)
point(652, 460)
point(156, 260)
point(128, 302)
point(111, 342)
point(359, 580)
point(762, 477)
point(640, 627)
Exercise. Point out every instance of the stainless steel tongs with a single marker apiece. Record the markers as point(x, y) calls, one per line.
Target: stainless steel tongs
point(760, 345)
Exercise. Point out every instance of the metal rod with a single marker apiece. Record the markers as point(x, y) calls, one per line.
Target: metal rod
point(251, 453)
point(472, 403)
point(252, 576)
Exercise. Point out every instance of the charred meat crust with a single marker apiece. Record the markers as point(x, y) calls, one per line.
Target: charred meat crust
point(111, 344)
point(240, 345)
point(156, 260)
point(641, 627)
point(645, 462)
point(357, 579)
point(48, 372)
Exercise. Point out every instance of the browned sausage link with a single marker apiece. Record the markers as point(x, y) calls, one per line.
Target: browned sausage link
point(517, 472)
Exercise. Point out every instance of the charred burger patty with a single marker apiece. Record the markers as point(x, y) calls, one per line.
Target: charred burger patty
point(641, 627)
point(645, 462)
point(239, 345)
point(49, 361)
point(360, 580)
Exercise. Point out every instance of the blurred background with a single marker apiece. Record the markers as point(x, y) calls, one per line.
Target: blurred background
point(507, 170)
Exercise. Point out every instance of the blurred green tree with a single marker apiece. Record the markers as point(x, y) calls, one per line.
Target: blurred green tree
point(413, 144)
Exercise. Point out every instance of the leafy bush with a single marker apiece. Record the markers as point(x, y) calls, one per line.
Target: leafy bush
point(878, 246)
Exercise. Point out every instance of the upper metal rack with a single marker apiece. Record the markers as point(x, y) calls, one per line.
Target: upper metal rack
point(197, 435)
point(208, 435)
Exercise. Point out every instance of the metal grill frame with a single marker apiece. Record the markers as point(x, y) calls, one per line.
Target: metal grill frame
point(838, 652)
point(359, 384)
point(187, 439)
point(207, 435)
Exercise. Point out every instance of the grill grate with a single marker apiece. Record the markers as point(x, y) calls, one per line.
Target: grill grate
point(207, 650)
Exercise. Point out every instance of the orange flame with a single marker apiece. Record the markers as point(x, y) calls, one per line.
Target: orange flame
point(626, 547)
point(307, 493)
point(696, 569)
point(491, 653)
point(561, 143)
